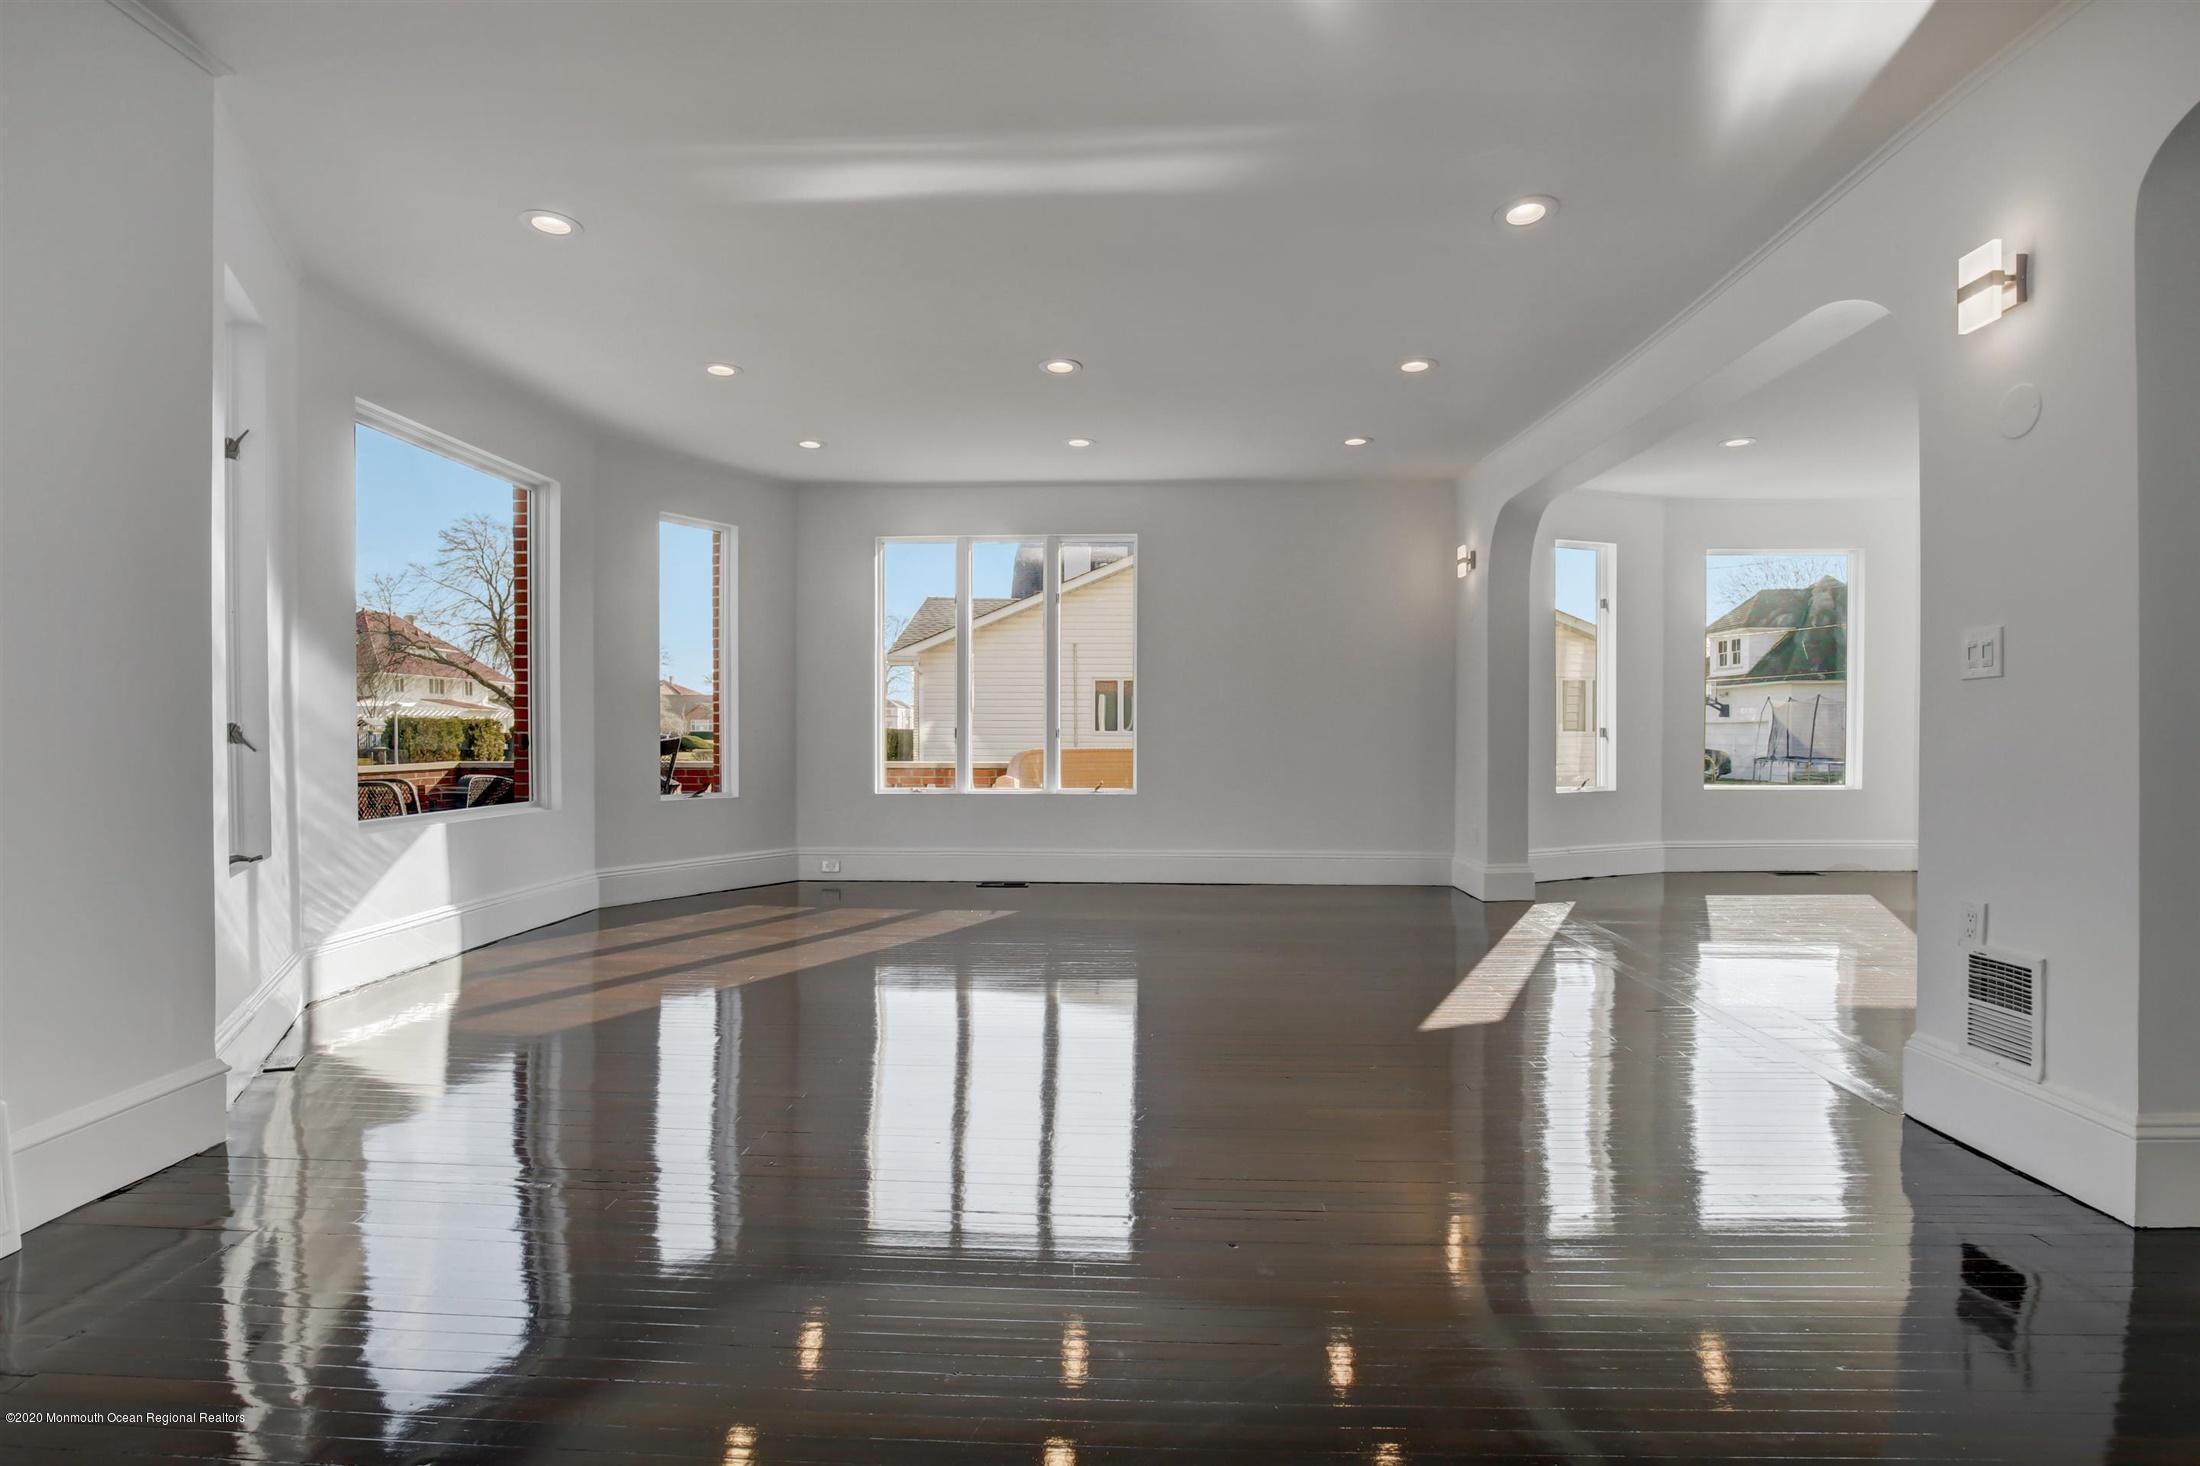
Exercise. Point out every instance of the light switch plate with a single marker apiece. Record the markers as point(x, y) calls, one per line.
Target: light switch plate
point(1982, 652)
point(829, 866)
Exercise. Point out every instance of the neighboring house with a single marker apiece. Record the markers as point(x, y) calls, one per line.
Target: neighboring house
point(899, 714)
point(1577, 701)
point(1776, 671)
point(404, 669)
point(685, 708)
point(1008, 669)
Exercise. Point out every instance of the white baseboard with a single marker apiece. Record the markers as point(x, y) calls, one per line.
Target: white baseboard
point(1653, 857)
point(2070, 1141)
point(1493, 882)
point(624, 885)
point(11, 1235)
point(1204, 867)
point(244, 1039)
point(84, 1153)
point(367, 954)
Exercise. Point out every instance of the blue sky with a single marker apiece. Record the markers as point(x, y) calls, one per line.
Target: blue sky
point(684, 603)
point(1574, 582)
point(917, 570)
point(406, 494)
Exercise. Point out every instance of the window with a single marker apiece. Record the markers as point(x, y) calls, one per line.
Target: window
point(1581, 594)
point(1778, 649)
point(441, 627)
point(989, 648)
point(1111, 705)
point(695, 753)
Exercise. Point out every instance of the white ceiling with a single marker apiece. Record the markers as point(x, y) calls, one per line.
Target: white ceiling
point(1239, 216)
point(1843, 425)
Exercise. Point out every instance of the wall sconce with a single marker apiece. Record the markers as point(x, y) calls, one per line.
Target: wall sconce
point(1465, 561)
point(1989, 283)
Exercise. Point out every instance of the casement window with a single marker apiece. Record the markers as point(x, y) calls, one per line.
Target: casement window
point(447, 538)
point(1582, 578)
point(696, 754)
point(1783, 713)
point(990, 652)
point(1111, 705)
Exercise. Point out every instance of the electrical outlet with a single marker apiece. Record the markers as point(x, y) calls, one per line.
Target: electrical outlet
point(830, 865)
point(1974, 923)
point(1981, 652)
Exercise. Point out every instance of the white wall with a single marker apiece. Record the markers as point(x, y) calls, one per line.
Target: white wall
point(382, 896)
point(2029, 790)
point(106, 311)
point(258, 977)
point(649, 847)
point(1294, 687)
point(2169, 642)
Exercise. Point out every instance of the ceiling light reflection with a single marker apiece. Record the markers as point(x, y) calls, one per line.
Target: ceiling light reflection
point(1076, 1355)
point(809, 1347)
point(1341, 1361)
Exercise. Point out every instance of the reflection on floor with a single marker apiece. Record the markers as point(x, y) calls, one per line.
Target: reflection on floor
point(1087, 1174)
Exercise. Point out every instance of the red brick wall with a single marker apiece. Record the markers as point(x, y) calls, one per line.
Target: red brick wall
point(938, 776)
point(522, 647)
point(717, 659)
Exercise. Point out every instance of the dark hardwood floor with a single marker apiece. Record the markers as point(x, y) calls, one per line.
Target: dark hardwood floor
point(1077, 1175)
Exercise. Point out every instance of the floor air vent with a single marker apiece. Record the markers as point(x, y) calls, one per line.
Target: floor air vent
point(2001, 1016)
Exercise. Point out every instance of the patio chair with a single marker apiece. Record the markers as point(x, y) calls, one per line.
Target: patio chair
point(488, 789)
point(379, 799)
point(668, 749)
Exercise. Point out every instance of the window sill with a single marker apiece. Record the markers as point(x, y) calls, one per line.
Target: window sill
point(715, 796)
point(999, 793)
point(1593, 789)
point(1799, 788)
point(452, 816)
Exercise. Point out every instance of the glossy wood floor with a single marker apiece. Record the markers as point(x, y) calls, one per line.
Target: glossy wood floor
point(1076, 1175)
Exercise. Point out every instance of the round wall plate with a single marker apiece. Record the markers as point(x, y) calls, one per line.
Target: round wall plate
point(2019, 410)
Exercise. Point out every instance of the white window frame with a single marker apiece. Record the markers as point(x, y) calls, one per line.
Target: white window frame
point(545, 776)
point(243, 505)
point(1603, 699)
point(964, 684)
point(729, 658)
point(1855, 652)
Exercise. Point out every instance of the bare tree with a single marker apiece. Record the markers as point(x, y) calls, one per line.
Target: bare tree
point(465, 598)
point(901, 680)
point(1742, 579)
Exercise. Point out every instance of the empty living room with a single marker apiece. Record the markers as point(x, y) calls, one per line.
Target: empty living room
point(1089, 732)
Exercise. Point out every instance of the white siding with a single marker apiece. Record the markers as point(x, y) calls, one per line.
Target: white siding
point(1098, 622)
point(1009, 676)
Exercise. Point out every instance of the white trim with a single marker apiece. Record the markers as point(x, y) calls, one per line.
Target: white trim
point(2070, 1141)
point(1216, 867)
point(68, 1159)
point(367, 954)
point(728, 671)
point(1492, 882)
point(173, 36)
point(244, 1039)
point(1653, 857)
point(11, 1237)
point(661, 880)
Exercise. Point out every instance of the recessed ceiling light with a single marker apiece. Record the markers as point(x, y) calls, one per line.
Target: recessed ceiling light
point(546, 221)
point(1357, 442)
point(1533, 209)
point(723, 369)
point(1080, 442)
point(1061, 366)
point(1416, 364)
point(809, 443)
point(1737, 442)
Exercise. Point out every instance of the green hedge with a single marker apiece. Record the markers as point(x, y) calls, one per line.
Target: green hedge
point(901, 744)
point(449, 740)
